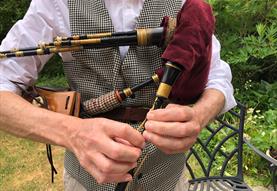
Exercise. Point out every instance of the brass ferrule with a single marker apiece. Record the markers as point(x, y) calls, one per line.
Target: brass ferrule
point(57, 50)
point(142, 37)
point(19, 53)
point(75, 37)
point(86, 41)
point(2, 56)
point(89, 36)
point(54, 50)
point(40, 51)
point(58, 43)
point(164, 90)
point(59, 38)
point(42, 45)
point(155, 78)
point(128, 92)
point(100, 35)
point(173, 66)
point(117, 95)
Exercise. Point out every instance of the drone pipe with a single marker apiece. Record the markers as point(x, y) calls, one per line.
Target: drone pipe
point(96, 35)
point(143, 37)
point(113, 99)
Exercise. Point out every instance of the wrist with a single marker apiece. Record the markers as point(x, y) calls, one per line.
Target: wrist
point(208, 106)
point(70, 128)
point(201, 119)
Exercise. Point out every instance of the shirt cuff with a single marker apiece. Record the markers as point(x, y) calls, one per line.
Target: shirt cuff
point(230, 101)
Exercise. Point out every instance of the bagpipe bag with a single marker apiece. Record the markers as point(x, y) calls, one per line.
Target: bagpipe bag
point(191, 48)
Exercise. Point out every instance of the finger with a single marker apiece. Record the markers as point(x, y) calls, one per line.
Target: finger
point(173, 129)
point(107, 165)
point(103, 178)
point(175, 145)
point(172, 105)
point(119, 140)
point(118, 151)
point(171, 113)
point(124, 131)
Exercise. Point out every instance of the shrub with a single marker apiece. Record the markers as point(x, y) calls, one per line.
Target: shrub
point(11, 11)
point(248, 34)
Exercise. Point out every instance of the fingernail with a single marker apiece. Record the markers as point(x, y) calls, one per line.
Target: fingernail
point(143, 145)
point(146, 135)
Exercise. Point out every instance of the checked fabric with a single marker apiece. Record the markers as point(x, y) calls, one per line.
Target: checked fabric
point(95, 72)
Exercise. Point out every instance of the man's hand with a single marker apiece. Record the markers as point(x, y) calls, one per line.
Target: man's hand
point(173, 129)
point(101, 148)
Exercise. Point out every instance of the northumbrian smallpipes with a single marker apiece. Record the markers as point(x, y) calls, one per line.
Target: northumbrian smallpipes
point(187, 53)
point(141, 37)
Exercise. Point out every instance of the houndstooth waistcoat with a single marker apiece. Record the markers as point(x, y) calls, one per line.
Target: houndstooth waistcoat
point(95, 72)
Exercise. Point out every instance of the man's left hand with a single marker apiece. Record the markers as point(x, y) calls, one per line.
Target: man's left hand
point(173, 129)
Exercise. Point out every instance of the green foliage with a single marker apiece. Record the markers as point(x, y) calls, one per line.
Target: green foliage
point(58, 81)
point(240, 17)
point(265, 132)
point(248, 33)
point(260, 96)
point(257, 58)
point(261, 131)
point(52, 74)
point(53, 67)
point(11, 11)
point(260, 124)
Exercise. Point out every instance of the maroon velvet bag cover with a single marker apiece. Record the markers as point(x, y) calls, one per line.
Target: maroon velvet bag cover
point(191, 47)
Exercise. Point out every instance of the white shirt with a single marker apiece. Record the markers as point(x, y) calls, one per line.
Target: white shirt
point(46, 19)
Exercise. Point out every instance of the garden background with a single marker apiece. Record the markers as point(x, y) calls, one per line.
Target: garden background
point(247, 30)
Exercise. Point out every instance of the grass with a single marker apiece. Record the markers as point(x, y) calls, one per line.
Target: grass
point(24, 165)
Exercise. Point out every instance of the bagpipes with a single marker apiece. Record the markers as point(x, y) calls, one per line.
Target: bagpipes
point(139, 37)
point(159, 36)
point(186, 43)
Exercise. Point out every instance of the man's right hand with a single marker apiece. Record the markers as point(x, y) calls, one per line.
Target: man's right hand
point(96, 144)
point(106, 149)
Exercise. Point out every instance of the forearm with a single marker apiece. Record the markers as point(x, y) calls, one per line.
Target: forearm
point(209, 106)
point(91, 140)
point(20, 118)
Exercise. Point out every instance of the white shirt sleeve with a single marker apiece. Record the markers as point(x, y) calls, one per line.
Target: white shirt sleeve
point(41, 23)
point(220, 76)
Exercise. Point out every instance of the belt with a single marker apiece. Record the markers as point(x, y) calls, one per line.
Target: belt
point(126, 114)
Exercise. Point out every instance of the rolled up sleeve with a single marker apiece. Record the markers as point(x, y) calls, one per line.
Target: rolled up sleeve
point(40, 23)
point(220, 77)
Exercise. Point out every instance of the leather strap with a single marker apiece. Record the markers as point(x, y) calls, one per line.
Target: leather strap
point(126, 114)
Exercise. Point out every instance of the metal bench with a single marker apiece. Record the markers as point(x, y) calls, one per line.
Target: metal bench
point(215, 162)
